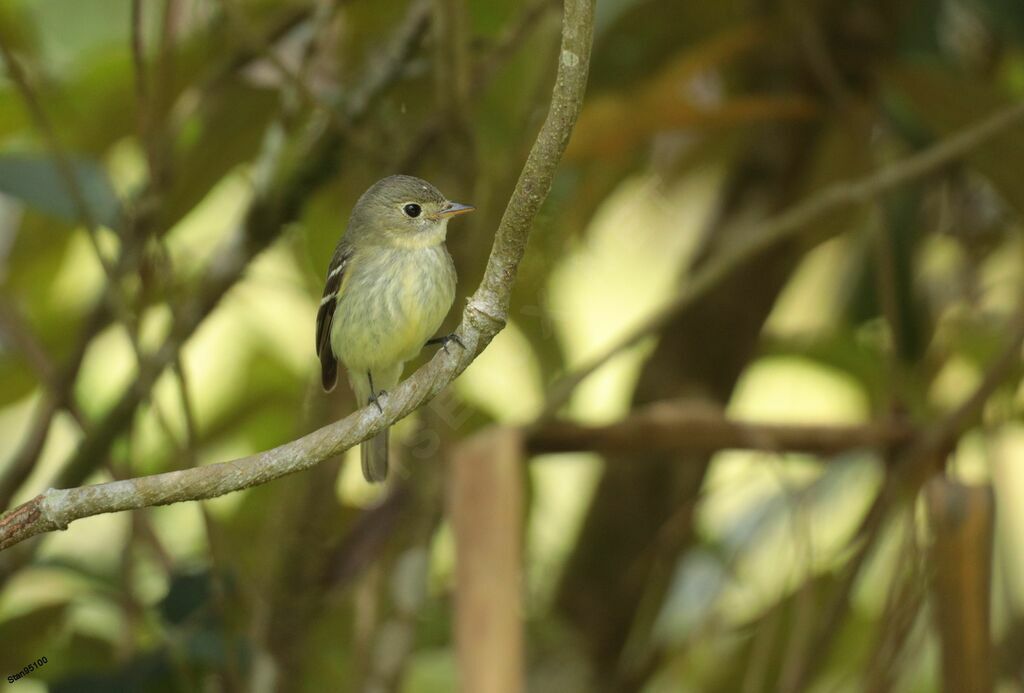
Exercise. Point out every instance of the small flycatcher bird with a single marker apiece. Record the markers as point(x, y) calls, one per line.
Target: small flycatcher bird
point(390, 284)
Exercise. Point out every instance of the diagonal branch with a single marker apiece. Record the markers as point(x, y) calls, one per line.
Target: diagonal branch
point(791, 224)
point(483, 318)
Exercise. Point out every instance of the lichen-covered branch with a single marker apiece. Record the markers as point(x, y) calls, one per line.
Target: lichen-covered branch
point(483, 318)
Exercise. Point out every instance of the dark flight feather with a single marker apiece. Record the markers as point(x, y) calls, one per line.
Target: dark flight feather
point(325, 316)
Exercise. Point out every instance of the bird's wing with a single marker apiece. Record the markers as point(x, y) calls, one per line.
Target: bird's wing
point(325, 315)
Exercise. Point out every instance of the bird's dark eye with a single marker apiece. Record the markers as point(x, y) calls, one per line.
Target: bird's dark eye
point(412, 210)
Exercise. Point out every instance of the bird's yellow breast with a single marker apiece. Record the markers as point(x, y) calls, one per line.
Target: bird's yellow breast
point(393, 301)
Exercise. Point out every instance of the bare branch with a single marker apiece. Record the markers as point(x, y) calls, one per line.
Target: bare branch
point(483, 318)
point(702, 428)
point(139, 54)
point(790, 224)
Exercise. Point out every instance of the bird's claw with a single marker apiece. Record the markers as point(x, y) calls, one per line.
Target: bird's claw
point(445, 340)
point(375, 400)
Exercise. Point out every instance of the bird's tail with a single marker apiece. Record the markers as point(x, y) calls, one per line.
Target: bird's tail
point(374, 452)
point(374, 455)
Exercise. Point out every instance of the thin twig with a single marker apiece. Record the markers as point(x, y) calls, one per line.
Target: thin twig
point(187, 413)
point(790, 224)
point(143, 102)
point(138, 53)
point(166, 57)
point(483, 318)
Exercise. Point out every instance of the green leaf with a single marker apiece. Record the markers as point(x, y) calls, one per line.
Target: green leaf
point(37, 181)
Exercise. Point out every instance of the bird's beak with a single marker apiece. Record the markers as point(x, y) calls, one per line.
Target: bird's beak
point(454, 209)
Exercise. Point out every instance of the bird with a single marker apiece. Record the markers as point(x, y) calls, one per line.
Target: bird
point(389, 286)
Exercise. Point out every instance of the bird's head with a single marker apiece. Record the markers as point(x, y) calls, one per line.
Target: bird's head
point(402, 211)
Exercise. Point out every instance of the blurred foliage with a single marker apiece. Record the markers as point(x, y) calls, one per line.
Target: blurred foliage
point(739, 571)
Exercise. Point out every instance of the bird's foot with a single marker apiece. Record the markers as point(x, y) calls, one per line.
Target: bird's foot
point(376, 398)
point(446, 340)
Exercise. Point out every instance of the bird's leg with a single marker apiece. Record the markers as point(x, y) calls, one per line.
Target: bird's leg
point(374, 395)
point(445, 340)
